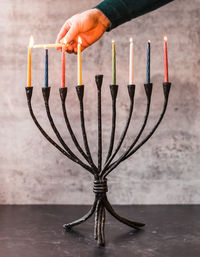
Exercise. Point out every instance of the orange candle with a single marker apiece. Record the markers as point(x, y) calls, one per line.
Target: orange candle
point(29, 62)
point(165, 60)
point(63, 68)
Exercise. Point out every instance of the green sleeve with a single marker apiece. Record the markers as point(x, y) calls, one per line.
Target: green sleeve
point(121, 11)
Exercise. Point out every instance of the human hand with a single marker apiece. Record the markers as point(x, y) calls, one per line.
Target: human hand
point(89, 25)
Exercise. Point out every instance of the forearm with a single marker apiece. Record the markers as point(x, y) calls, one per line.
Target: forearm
point(121, 11)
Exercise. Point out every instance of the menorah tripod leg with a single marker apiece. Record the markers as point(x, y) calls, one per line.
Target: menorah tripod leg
point(99, 226)
point(101, 204)
point(82, 219)
point(133, 224)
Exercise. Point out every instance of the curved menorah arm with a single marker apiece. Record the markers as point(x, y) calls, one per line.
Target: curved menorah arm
point(63, 95)
point(166, 90)
point(131, 91)
point(113, 91)
point(46, 93)
point(80, 93)
point(99, 80)
point(29, 91)
point(148, 91)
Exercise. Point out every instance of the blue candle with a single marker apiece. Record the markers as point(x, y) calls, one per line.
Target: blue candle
point(46, 68)
point(148, 62)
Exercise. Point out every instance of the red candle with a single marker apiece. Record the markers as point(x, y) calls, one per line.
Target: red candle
point(63, 68)
point(165, 60)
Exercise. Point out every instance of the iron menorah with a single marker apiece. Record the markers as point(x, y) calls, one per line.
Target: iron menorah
point(99, 171)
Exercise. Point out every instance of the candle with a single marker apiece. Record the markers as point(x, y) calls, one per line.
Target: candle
point(113, 63)
point(165, 60)
point(148, 62)
point(29, 62)
point(63, 67)
point(131, 62)
point(46, 68)
point(48, 46)
point(79, 62)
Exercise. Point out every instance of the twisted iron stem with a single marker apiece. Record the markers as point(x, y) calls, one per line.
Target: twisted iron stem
point(101, 204)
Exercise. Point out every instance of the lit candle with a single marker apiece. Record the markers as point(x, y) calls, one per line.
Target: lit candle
point(46, 68)
point(148, 62)
point(29, 62)
point(113, 63)
point(165, 60)
point(79, 62)
point(131, 62)
point(48, 46)
point(63, 67)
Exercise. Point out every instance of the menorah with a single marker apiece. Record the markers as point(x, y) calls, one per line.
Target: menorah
point(99, 171)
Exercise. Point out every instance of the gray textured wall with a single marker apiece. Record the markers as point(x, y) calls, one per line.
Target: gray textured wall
point(165, 170)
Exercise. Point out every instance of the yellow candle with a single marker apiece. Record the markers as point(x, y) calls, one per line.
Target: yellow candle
point(113, 63)
point(29, 62)
point(79, 62)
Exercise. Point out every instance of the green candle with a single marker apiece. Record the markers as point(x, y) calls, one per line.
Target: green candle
point(113, 63)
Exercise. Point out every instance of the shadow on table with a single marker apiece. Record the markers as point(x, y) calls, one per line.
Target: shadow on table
point(122, 238)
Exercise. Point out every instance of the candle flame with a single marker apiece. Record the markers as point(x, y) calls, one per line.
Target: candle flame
point(113, 41)
point(149, 41)
point(79, 40)
point(131, 40)
point(165, 38)
point(31, 41)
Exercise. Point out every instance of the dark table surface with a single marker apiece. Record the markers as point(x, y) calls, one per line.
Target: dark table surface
point(36, 231)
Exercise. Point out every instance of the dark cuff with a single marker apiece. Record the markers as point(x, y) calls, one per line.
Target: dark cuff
point(121, 11)
point(116, 13)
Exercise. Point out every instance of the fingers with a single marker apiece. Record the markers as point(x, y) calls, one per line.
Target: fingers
point(86, 25)
point(69, 31)
point(72, 48)
point(72, 33)
point(65, 28)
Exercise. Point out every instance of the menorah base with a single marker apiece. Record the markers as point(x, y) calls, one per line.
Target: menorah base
point(101, 204)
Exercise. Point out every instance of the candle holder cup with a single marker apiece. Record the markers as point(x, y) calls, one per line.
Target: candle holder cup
point(101, 203)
